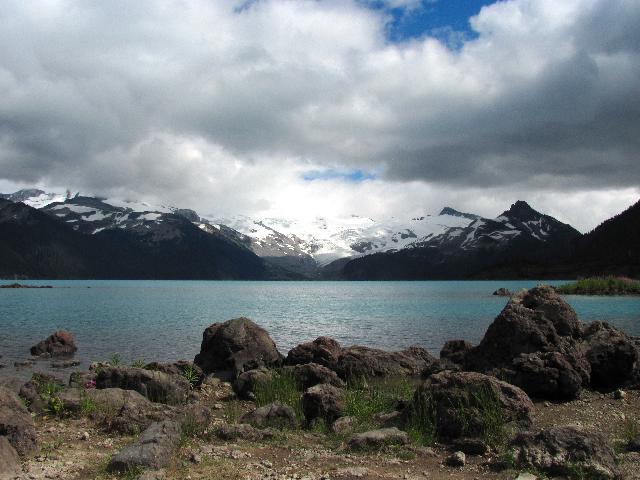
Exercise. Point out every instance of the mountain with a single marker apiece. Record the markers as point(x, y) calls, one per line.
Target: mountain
point(519, 243)
point(316, 242)
point(507, 246)
point(39, 244)
point(611, 248)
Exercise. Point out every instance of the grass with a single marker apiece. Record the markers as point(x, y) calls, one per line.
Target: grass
point(364, 400)
point(48, 391)
point(191, 374)
point(601, 286)
point(475, 412)
point(115, 360)
point(283, 388)
point(138, 364)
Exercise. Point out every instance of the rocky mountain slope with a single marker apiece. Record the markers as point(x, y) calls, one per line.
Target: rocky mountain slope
point(519, 242)
point(37, 244)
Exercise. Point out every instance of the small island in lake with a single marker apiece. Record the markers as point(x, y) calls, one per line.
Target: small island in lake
point(601, 286)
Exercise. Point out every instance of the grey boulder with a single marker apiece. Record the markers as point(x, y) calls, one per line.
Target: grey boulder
point(236, 346)
point(153, 449)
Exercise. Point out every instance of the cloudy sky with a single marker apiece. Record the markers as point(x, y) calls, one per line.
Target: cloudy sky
point(326, 107)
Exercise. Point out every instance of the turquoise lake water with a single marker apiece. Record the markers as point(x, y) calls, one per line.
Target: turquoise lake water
point(164, 320)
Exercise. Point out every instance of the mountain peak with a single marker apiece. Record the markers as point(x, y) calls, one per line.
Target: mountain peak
point(455, 213)
point(522, 211)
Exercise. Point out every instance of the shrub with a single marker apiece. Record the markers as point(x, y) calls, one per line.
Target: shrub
point(191, 374)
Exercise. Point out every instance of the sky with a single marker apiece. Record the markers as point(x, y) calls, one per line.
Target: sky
point(326, 107)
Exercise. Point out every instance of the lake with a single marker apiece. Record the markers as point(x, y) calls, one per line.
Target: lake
point(164, 320)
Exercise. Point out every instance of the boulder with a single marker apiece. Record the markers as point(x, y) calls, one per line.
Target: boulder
point(470, 446)
point(455, 351)
point(9, 460)
point(59, 344)
point(323, 351)
point(376, 439)
point(560, 451)
point(547, 375)
point(192, 372)
point(464, 404)
point(611, 354)
point(153, 449)
point(364, 362)
point(236, 346)
point(16, 423)
point(322, 401)
point(275, 415)
point(156, 386)
point(310, 374)
point(245, 384)
point(360, 362)
point(123, 411)
point(537, 321)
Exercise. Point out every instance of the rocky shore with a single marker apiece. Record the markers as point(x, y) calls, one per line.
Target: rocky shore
point(541, 396)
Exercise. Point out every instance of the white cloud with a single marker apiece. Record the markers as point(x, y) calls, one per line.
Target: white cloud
point(224, 108)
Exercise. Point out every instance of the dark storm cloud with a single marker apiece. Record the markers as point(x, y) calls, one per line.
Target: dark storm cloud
point(149, 96)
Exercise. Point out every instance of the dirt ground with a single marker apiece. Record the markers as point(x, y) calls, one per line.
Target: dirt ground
point(75, 448)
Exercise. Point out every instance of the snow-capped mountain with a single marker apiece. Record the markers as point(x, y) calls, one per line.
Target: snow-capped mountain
point(306, 246)
point(326, 240)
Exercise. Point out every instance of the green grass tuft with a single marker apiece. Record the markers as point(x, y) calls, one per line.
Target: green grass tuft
point(282, 387)
point(601, 286)
point(364, 400)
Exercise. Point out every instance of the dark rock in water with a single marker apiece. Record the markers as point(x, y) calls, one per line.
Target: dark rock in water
point(457, 400)
point(20, 285)
point(26, 363)
point(156, 386)
point(246, 383)
point(357, 362)
point(16, 423)
point(540, 322)
point(9, 461)
point(376, 439)
point(562, 450)
point(324, 402)
point(611, 354)
point(323, 351)
point(65, 364)
point(502, 292)
point(274, 415)
point(236, 346)
point(181, 367)
point(59, 344)
point(310, 374)
point(153, 449)
point(455, 351)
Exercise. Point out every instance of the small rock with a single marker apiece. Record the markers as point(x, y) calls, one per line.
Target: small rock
point(352, 472)
point(84, 436)
point(343, 425)
point(456, 459)
point(619, 394)
point(526, 476)
point(378, 439)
